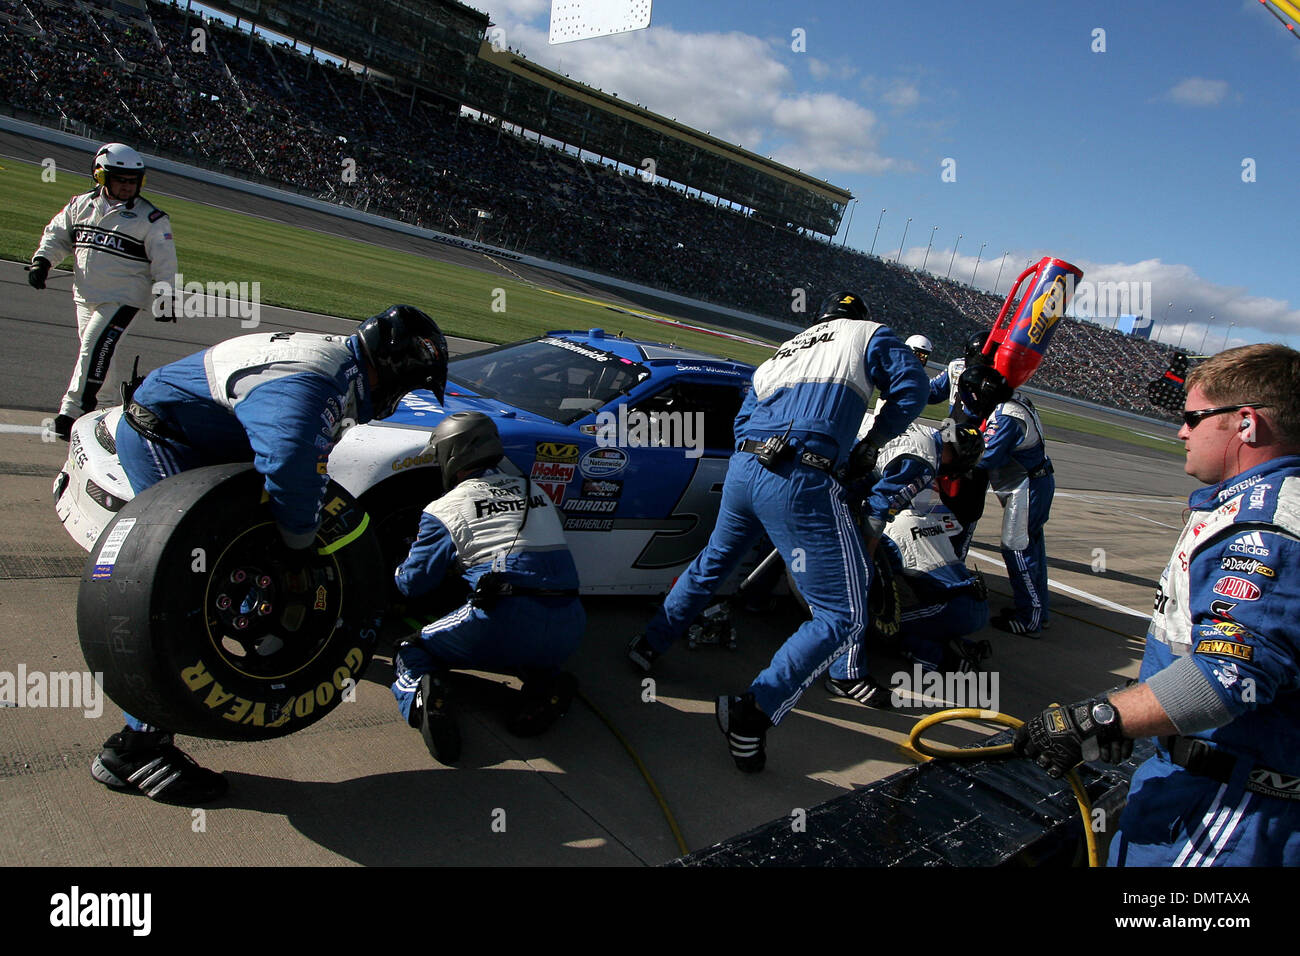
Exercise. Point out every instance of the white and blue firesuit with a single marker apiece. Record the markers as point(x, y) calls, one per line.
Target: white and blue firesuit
point(904, 503)
point(1223, 659)
point(1020, 473)
point(944, 386)
point(485, 524)
point(278, 400)
point(815, 390)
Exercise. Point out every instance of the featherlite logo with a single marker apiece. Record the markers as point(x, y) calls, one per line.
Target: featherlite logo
point(77, 909)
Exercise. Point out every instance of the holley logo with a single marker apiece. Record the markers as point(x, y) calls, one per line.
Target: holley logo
point(1238, 588)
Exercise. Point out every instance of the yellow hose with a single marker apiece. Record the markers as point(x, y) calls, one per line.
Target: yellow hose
point(922, 751)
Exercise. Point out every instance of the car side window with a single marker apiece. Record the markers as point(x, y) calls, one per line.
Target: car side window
point(711, 409)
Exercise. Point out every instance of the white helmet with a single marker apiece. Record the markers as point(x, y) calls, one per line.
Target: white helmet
point(117, 158)
point(920, 344)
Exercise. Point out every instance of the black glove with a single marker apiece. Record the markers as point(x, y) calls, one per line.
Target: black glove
point(1061, 738)
point(37, 272)
point(862, 460)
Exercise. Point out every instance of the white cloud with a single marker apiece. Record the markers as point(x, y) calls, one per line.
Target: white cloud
point(818, 69)
point(1197, 91)
point(734, 85)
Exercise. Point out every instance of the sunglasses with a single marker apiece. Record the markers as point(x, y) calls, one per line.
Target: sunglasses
point(1194, 418)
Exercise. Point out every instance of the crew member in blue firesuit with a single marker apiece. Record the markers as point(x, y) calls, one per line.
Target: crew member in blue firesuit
point(943, 601)
point(965, 495)
point(523, 616)
point(1020, 474)
point(280, 401)
point(794, 432)
point(1220, 683)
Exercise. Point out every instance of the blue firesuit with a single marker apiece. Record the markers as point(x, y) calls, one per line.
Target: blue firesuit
point(278, 400)
point(814, 390)
point(944, 387)
point(492, 522)
point(1020, 474)
point(1223, 659)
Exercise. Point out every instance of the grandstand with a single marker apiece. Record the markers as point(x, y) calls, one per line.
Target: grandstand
point(272, 112)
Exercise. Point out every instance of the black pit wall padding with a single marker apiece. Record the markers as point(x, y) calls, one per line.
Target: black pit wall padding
point(974, 813)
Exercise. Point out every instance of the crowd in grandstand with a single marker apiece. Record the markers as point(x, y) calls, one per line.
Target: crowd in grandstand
point(273, 113)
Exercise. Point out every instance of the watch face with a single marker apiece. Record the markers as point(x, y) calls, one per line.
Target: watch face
point(1103, 714)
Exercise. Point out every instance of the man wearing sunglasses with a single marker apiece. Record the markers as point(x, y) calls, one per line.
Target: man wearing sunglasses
point(1220, 679)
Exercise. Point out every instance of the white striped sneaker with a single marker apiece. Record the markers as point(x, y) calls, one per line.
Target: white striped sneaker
point(864, 691)
point(745, 727)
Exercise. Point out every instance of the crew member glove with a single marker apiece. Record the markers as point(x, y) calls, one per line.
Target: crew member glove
point(862, 460)
point(1061, 738)
point(37, 272)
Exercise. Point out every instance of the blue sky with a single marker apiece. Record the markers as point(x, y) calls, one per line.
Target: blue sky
point(1127, 162)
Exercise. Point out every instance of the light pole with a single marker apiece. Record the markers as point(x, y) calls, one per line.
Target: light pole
point(899, 257)
point(927, 248)
point(873, 238)
point(1226, 334)
point(1184, 331)
point(954, 254)
point(850, 225)
point(977, 263)
point(999, 278)
point(1207, 332)
point(1164, 319)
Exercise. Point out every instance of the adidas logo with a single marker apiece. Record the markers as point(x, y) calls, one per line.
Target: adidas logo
point(1252, 543)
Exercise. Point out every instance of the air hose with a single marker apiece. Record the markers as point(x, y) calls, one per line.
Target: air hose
point(918, 749)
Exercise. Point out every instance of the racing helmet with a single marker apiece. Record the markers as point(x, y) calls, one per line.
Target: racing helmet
point(119, 160)
point(407, 350)
point(967, 444)
point(465, 441)
point(982, 389)
point(844, 305)
point(975, 350)
point(921, 345)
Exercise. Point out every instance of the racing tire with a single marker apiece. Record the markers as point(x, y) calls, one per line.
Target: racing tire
point(203, 623)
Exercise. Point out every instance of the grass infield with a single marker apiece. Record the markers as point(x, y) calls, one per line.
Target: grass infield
point(302, 269)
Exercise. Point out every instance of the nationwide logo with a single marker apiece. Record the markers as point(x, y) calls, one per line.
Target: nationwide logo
point(1246, 566)
point(1238, 588)
point(1220, 648)
point(1252, 543)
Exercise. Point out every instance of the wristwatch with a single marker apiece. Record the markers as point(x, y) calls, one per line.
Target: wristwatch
point(1104, 715)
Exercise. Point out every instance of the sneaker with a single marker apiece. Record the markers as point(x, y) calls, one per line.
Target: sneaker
point(431, 714)
point(1007, 621)
point(63, 427)
point(542, 703)
point(864, 690)
point(745, 727)
point(964, 656)
point(641, 654)
point(151, 764)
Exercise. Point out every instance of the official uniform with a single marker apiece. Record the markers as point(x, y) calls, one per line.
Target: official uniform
point(1222, 657)
point(120, 249)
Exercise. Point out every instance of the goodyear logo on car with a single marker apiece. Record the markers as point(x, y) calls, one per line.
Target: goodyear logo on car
point(563, 452)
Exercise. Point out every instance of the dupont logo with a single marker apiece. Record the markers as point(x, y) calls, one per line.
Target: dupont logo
point(1238, 588)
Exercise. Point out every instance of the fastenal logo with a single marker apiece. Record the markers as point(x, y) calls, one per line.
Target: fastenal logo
point(77, 909)
point(74, 689)
point(637, 429)
point(917, 688)
point(217, 300)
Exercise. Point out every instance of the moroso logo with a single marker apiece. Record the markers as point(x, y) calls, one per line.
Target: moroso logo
point(557, 451)
point(1238, 588)
point(1226, 649)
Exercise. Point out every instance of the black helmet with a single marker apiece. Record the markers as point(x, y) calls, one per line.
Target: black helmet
point(407, 351)
point(844, 305)
point(975, 350)
point(982, 388)
point(967, 444)
point(463, 442)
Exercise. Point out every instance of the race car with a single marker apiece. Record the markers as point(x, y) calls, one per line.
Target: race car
point(629, 438)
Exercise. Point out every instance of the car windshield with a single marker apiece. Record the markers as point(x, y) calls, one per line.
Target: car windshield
point(558, 379)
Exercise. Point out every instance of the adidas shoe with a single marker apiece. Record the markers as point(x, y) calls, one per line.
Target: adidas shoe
point(431, 714)
point(1007, 621)
point(964, 656)
point(641, 654)
point(63, 427)
point(149, 763)
point(864, 690)
point(542, 704)
point(745, 727)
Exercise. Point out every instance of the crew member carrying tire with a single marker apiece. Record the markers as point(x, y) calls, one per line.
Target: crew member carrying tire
point(523, 616)
point(281, 401)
